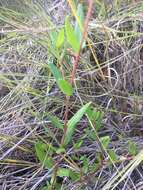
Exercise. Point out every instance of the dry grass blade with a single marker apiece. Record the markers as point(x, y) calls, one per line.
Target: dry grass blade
point(109, 74)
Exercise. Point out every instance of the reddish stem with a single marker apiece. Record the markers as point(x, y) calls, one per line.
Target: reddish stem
point(75, 65)
point(77, 57)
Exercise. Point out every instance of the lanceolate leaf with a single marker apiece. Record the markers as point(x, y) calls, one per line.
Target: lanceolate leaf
point(65, 87)
point(71, 37)
point(113, 155)
point(55, 121)
point(105, 141)
point(71, 125)
point(95, 116)
point(79, 26)
point(54, 70)
point(74, 175)
point(63, 172)
point(60, 38)
point(41, 152)
point(53, 37)
point(132, 148)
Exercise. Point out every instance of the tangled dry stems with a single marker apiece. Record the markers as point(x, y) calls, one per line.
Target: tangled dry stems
point(24, 93)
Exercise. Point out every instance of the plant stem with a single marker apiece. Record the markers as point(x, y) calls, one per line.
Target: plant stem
point(75, 65)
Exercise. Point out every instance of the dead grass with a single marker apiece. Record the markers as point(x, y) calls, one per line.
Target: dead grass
point(27, 91)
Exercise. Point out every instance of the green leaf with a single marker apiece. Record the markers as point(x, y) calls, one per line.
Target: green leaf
point(79, 26)
point(60, 38)
point(85, 165)
point(78, 144)
point(55, 121)
point(41, 152)
point(74, 175)
point(94, 167)
point(105, 141)
point(71, 125)
point(112, 155)
point(63, 172)
point(53, 37)
point(58, 186)
point(60, 150)
point(65, 87)
point(95, 116)
point(91, 134)
point(98, 124)
point(54, 70)
point(132, 148)
point(71, 37)
point(45, 188)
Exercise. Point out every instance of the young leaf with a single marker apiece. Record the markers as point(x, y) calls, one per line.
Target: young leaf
point(60, 150)
point(98, 121)
point(53, 37)
point(60, 38)
point(56, 73)
point(105, 141)
point(112, 155)
point(71, 37)
point(55, 121)
point(73, 121)
point(63, 172)
point(94, 167)
point(41, 152)
point(74, 175)
point(85, 164)
point(132, 148)
point(78, 26)
point(65, 87)
point(95, 116)
point(78, 144)
point(91, 134)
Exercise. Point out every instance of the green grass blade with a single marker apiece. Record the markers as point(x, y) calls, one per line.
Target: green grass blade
point(55, 121)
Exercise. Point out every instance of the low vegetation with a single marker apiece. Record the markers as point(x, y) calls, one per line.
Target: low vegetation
point(71, 86)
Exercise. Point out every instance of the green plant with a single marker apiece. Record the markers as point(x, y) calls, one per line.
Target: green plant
point(76, 39)
point(64, 88)
point(43, 151)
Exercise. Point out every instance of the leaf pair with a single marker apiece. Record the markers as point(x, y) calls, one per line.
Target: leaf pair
point(71, 125)
point(74, 39)
point(74, 36)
